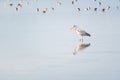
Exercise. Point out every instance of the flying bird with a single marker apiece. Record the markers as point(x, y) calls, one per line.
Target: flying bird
point(37, 9)
point(53, 8)
point(117, 7)
point(20, 5)
point(78, 9)
point(107, 8)
point(72, 2)
point(88, 8)
point(100, 3)
point(11, 4)
point(95, 9)
point(58, 3)
point(103, 10)
point(16, 8)
point(45, 10)
point(76, 0)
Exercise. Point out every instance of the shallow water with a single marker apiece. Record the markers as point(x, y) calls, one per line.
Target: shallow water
point(40, 46)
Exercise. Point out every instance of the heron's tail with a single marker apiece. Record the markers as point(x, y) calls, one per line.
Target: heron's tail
point(88, 34)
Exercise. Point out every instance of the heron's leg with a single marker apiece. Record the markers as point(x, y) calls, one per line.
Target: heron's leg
point(81, 38)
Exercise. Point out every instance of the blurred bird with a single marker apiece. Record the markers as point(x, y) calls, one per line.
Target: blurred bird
point(20, 1)
point(76, 0)
point(78, 9)
point(58, 3)
point(45, 10)
point(16, 8)
point(99, 3)
point(103, 10)
point(37, 9)
point(95, 9)
point(52, 8)
point(107, 8)
point(27, 3)
point(72, 2)
point(20, 5)
point(86, 9)
point(117, 7)
point(11, 4)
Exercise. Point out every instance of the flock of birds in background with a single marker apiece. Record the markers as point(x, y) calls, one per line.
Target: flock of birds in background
point(59, 3)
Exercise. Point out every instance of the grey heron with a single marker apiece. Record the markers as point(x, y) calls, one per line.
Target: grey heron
point(80, 32)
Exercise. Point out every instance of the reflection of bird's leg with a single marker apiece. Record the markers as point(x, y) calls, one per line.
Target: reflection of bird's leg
point(81, 39)
point(81, 42)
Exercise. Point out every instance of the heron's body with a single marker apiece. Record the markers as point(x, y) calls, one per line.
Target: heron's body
point(82, 33)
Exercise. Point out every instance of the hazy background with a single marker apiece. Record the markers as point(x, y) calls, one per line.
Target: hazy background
point(38, 46)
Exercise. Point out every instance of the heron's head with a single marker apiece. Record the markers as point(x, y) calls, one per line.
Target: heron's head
point(74, 27)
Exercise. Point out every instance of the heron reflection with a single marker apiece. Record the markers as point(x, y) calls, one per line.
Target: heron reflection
point(80, 46)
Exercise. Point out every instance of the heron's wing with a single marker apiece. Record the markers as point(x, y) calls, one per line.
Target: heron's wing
point(82, 31)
